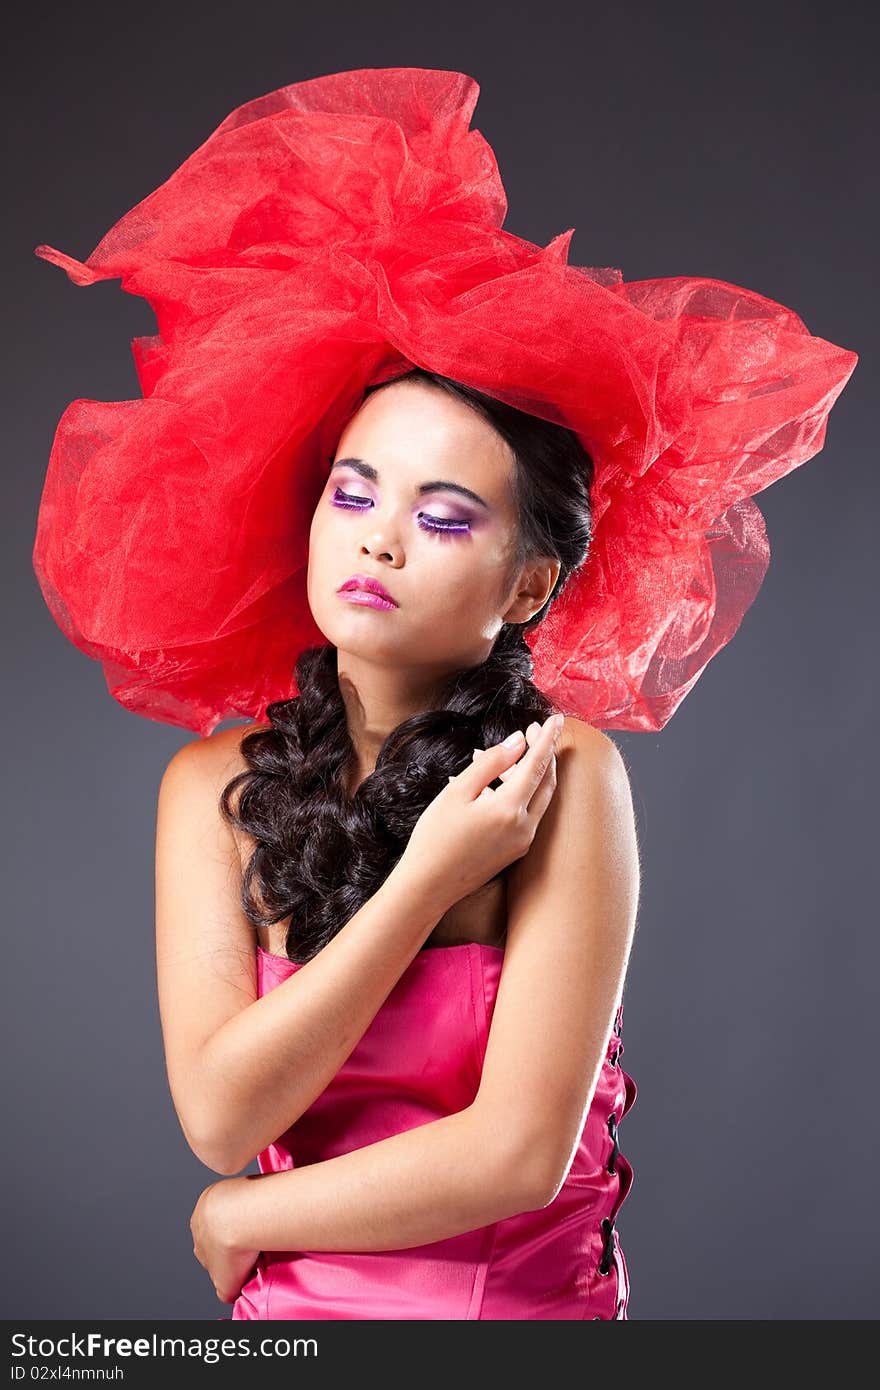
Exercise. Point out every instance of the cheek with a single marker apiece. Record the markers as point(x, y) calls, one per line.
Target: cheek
point(318, 550)
point(464, 578)
point(313, 550)
point(318, 535)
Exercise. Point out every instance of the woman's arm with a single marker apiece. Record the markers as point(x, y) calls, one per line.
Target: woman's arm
point(573, 902)
point(572, 910)
point(425, 1184)
point(243, 1069)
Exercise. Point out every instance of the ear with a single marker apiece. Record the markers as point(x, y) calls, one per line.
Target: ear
point(534, 585)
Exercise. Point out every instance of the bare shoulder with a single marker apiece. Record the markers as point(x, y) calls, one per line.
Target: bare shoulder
point(578, 732)
point(586, 841)
point(588, 744)
point(592, 785)
point(218, 757)
point(208, 764)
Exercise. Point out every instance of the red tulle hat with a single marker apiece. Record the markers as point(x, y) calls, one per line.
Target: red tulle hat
point(330, 235)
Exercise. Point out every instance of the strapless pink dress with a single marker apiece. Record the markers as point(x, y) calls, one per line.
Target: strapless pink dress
point(421, 1058)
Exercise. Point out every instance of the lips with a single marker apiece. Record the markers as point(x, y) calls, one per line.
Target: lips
point(364, 583)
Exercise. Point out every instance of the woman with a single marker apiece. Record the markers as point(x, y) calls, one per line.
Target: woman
point(391, 949)
point(539, 873)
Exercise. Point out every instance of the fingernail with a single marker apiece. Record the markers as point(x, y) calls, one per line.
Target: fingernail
point(533, 729)
point(512, 739)
point(476, 752)
point(556, 722)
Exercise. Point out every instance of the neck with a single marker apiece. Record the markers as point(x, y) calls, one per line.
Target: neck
point(377, 698)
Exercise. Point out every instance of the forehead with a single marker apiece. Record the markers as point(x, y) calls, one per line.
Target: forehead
point(408, 429)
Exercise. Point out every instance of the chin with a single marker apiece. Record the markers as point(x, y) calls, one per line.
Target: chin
point(360, 632)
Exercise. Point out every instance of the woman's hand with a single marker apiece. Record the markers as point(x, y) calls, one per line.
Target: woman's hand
point(212, 1226)
point(471, 831)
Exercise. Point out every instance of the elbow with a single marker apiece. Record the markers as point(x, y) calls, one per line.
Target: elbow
point(220, 1163)
point(534, 1156)
point(551, 1167)
point(544, 1185)
point(214, 1151)
point(530, 1177)
point(214, 1133)
point(222, 1156)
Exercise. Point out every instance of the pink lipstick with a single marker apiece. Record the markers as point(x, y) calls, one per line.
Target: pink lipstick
point(362, 588)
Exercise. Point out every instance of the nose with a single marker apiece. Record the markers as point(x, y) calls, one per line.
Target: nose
point(382, 544)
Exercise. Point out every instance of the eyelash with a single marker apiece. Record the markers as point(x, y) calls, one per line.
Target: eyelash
point(442, 527)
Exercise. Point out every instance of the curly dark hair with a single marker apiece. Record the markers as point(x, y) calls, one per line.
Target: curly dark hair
point(320, 854)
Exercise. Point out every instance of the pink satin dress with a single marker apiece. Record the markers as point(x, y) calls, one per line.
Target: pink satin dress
point(421, 1058)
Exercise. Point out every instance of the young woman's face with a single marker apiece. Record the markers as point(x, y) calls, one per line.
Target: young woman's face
point(444, 556)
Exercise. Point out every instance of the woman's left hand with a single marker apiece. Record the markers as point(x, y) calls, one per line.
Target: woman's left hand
point(212, 1226)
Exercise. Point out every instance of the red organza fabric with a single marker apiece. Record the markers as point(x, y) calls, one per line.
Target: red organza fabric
point(327, 236)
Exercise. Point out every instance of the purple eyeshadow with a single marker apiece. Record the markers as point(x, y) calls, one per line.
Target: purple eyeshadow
point(443, 527)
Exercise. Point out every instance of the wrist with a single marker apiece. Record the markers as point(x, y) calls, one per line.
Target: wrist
point(230, 1212)
point(420, 897)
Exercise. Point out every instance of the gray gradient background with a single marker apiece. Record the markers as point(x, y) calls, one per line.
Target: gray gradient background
point(737, 143)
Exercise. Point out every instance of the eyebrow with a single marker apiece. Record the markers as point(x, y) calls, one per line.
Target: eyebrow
point(372, 475)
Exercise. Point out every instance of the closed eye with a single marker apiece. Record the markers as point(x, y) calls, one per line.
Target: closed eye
point(443, 527)
point(345, 499)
